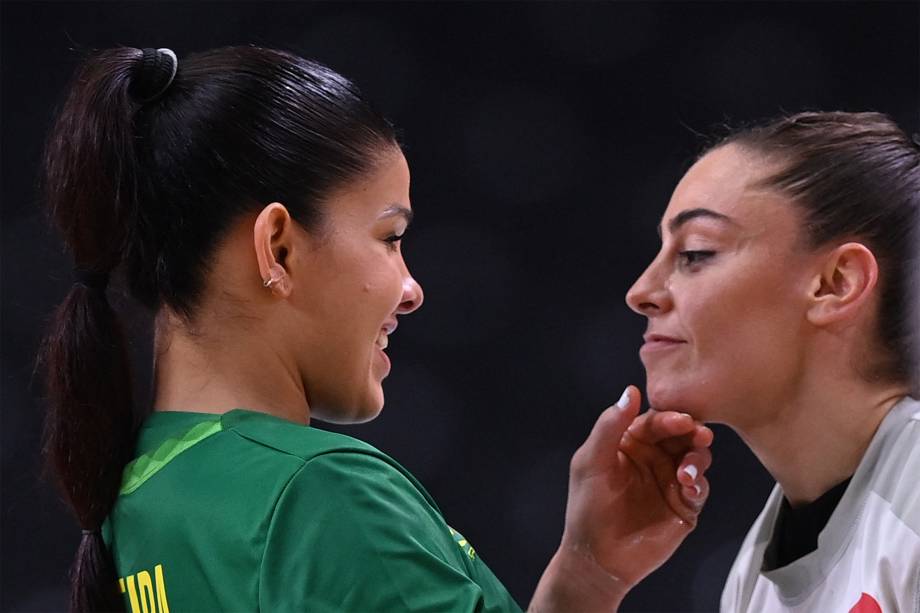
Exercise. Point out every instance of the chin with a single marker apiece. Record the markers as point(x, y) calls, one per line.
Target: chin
point(364, 416)
point(352, 411)
point(669, 397)
point(369, 407)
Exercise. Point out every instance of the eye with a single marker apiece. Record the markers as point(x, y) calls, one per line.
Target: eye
point(692, 257)
point(393, 240)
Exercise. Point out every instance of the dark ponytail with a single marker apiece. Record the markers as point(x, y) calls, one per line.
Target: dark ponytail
point(90, 186)
point(88, 431)
point(146, 168)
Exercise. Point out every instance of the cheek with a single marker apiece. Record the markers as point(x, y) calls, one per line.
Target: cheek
point(353, 293)
point(745, 309)
point(382, 286)
point(725, 324)
point(742, 342)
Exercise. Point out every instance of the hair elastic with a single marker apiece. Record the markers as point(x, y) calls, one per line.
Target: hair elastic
point(154, 73)
point(91, 279)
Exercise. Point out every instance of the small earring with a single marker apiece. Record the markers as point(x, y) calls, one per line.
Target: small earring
point(277, 279)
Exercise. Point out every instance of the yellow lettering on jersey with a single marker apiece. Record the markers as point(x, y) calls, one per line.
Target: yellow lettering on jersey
point(162, 603)
point(145, 586)
point(463, 544)
point(146, 594)
point(132, 595)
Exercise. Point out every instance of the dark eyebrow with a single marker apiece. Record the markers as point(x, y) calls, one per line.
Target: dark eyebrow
point(684, 216)
point(397, 209)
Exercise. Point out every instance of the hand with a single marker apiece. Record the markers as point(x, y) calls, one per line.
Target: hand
point(633, 498)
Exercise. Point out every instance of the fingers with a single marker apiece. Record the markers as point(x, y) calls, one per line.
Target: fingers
point(600, 448)
point(684, 485)
point(702, 436)
point(680, 474)
point(693, 466)
point(692, 498)
point(694, 486)
point(674, 432)
point(654, 426)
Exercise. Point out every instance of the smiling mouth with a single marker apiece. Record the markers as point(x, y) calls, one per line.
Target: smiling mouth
point(383, 337)
point(381, 343)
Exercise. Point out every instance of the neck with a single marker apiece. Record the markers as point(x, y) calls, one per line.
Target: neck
point(816, 439)
point(192, 374)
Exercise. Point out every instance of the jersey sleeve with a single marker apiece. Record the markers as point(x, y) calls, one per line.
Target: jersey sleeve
point(351, 532)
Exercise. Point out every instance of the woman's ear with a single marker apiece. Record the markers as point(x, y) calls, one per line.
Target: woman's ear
point(273, 234)
point(845, 285)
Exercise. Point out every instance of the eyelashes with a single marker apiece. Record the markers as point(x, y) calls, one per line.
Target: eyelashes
point(392, 241)
point(693, 257)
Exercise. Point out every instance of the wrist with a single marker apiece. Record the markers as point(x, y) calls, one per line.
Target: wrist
point(574, 581)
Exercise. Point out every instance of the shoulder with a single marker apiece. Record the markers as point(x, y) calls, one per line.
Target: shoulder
point(361, 473)
point(895, 478)
point(353, 531)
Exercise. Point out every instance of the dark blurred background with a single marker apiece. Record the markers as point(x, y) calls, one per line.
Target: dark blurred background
point(544, 141)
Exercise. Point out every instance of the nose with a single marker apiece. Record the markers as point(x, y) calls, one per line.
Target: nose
point(412, 296)
point(649, 295)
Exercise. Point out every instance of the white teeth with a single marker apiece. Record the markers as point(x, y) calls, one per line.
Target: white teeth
point(383, 341)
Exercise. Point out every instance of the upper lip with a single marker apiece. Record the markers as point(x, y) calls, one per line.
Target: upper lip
point(389, 326)
point(652, 338)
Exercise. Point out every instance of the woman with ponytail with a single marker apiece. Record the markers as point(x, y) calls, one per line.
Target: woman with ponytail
point(255, 202)
point(781, 304)
point(91, 171)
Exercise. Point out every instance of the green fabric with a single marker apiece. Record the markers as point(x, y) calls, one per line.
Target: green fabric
point(147, 465)
point(249, 512)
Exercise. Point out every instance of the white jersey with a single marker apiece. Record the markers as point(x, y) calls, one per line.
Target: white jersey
point(868, 556)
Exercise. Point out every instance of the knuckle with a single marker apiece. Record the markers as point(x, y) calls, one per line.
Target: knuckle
point(578, 465)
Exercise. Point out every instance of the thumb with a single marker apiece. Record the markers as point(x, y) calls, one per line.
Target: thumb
point(602, 445)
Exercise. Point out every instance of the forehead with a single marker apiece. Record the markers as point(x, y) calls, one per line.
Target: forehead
point(725, 181)
point(388, 178)
point(384, 187)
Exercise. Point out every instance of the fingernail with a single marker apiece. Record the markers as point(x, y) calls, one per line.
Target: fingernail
point(697, 489)
point(691, 470)
point(687, 415)
point(623, 402)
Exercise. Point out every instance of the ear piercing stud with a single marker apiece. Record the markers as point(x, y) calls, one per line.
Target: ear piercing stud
point(277, 279)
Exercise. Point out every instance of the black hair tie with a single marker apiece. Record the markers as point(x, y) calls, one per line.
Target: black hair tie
point(91, 279)
point(153, 74)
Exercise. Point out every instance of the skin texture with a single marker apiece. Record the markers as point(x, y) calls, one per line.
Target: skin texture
point(733, 313)
point(307, 345)
point(750, 326)
point(346, 287)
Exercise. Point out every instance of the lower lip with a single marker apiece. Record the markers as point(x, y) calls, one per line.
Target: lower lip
point(659, 346)
point(386, 360)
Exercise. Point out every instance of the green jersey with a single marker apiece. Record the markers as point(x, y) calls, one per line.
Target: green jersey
point(245, 511)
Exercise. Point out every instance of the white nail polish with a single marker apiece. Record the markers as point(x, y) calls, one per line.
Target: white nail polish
point(691, 470)
point(697, 489)
point(623, 402)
